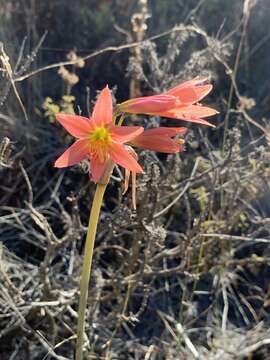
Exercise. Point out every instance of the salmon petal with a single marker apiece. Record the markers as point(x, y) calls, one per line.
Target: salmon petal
point(191, 113)
point(122, 134)
point(157, 143)
point(103, 110)
point(148, 104)
point(193, 119)
point(97, 168)
point(191, 94)
point(76, 125)
point(190, 83)
point(74, 154)
point(122, 157)
point(194, 110)
point(164, 131)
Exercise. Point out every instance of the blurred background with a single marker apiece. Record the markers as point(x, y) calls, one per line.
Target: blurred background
point(187, 275)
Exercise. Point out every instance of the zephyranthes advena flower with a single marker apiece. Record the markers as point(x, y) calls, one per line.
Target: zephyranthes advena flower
point(98, 139)
point(180, 102)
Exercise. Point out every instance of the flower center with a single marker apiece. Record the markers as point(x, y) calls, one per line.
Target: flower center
point(100, 139)
point(100, 134)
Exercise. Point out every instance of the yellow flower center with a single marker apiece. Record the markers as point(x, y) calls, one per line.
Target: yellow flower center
point(100, 139)
point(180, 141)
point(100, 134)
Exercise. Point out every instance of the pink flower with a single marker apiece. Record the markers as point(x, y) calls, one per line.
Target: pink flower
point(160, 139)
point(98, 139)
point(180, 102)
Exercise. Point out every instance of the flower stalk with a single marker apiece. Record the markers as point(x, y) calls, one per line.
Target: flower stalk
point(87, 263)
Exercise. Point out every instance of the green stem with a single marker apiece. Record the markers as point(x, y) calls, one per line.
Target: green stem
point(122, 118)
point(87, 262)
point(231, 93)
point(233, 79)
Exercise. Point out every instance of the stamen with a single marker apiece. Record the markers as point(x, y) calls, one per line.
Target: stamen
point(126, 181)
point(180, 141)
point(100, 139)
point(133, 189)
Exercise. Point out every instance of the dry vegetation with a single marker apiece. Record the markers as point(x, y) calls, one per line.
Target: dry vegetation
point(186, 276)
